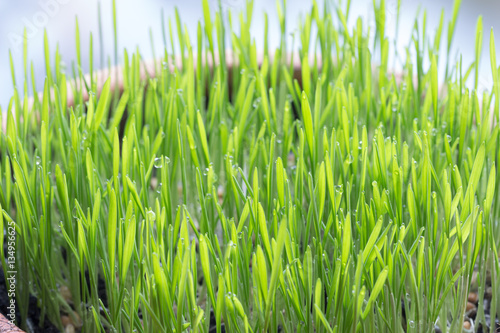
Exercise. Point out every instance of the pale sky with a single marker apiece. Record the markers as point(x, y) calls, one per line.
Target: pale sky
point(136, 17)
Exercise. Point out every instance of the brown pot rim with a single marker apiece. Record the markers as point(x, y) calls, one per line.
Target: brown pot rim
point(148, 69)
point(6, 326)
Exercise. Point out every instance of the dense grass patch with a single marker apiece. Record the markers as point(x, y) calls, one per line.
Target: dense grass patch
point(329, 197)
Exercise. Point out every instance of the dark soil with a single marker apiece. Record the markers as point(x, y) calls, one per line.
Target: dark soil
point(213, 325)
point(48, 327)
point(473, 313)
point(33, 310)
point(101, 288)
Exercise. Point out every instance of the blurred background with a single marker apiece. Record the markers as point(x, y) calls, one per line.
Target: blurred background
point(136, 18)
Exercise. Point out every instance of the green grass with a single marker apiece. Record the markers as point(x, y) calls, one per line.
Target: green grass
point(335, 198)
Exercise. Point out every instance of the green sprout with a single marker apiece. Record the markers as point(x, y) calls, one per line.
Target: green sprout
point(229, 186)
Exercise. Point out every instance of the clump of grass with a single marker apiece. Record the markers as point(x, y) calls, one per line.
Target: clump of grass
point(332, 197)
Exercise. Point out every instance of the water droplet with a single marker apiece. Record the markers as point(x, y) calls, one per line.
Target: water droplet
point(158, 163)
point(412, 324)
point(448, 137)
point(256, 103)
